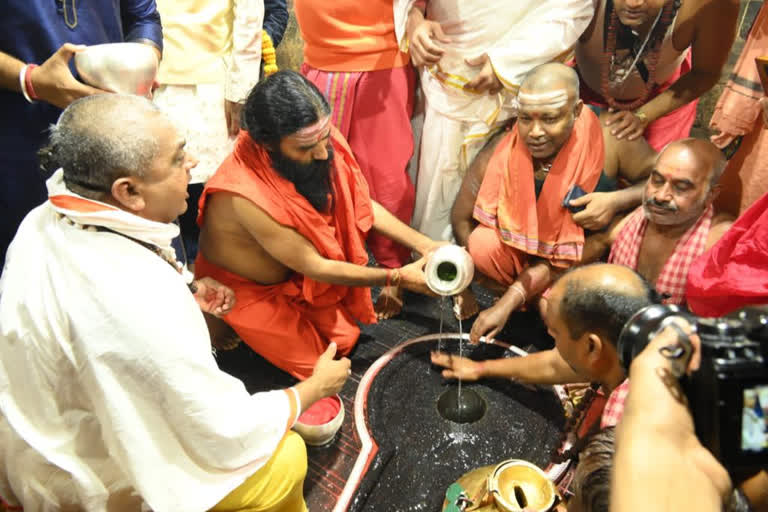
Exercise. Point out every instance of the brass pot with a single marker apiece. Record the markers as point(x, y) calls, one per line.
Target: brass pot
point(517, 484)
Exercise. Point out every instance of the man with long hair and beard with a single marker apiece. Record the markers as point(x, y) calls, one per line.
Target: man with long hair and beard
point(676, 222)
point(284, 222)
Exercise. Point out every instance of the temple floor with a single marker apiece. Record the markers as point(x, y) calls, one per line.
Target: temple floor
point(330, 466)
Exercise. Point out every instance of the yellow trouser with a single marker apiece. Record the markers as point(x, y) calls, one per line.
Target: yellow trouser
point(275, 487)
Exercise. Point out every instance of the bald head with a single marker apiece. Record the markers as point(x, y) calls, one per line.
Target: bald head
point(100, 138)
point(700, 154)
point(548, 108)
point(600, 298)
point(550, 78)
point(606, 277)
point(682, 184)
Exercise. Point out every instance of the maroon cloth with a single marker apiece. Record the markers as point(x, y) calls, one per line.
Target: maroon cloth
point(734, 272)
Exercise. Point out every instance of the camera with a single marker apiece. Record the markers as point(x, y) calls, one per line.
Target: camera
point(728, 395)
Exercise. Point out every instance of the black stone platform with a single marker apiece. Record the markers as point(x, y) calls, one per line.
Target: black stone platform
point(329, 467)
point(422, 453)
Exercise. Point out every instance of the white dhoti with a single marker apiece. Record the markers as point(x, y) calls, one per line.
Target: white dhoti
point(458, 123)
point(442, 168)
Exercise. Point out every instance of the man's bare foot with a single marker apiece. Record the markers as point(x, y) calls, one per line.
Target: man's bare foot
point(389, 303)
point(465, 304)
point(223, 337)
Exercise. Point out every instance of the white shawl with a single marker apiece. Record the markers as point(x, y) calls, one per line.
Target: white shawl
point(107, 382)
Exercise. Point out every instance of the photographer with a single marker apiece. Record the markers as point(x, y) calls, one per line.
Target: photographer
point(660, 464)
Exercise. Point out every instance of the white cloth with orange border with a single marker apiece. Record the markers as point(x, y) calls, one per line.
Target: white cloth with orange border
point(109, 393)
point(516, 36)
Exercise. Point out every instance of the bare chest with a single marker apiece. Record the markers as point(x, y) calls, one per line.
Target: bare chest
point(655, 250)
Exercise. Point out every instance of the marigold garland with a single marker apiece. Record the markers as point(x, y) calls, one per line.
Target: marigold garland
point(268, 54)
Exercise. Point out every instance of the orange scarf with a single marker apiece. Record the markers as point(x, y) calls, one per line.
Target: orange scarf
point(507, 195)
point(339, 235)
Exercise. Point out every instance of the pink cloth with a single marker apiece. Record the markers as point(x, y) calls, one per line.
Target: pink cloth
point(674, 275)
point(373, 110)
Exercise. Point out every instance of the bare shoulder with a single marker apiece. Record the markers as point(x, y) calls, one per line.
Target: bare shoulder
point(591, 27)
point(234, 214)
point(703, 22)
point(721, 223)
point(704, 9)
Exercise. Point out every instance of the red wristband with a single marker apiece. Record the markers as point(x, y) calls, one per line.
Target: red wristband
point(28, 82)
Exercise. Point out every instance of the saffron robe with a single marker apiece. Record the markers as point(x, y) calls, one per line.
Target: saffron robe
point(291, 323)
point(109, 393)
point(511, 230)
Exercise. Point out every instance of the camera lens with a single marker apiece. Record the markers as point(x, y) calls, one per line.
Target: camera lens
point(642, 327)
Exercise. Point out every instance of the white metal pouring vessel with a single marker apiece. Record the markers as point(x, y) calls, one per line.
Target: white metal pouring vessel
point(128, 68)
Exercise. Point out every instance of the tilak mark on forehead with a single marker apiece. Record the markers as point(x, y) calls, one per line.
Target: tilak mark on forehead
point(555, 99)
point(313, 133)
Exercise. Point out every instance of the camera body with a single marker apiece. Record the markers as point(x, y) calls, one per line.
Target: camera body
point(728, 395)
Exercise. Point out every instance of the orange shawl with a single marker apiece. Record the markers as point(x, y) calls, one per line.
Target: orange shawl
point(507, 195)
point(339, 236)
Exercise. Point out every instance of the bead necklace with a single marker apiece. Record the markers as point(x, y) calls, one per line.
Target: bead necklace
point(651, 46)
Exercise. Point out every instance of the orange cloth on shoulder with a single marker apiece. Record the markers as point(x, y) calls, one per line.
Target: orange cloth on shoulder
point(525, 226)
point(291, 323)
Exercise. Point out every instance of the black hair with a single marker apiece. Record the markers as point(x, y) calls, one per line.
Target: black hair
point(588, 306)
point(280, 106)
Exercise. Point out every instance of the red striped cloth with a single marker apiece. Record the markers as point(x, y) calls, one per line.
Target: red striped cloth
point(673, 276)
point(614, 407)
point(339, 89)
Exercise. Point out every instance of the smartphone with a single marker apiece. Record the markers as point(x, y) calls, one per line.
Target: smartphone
point(573, 193)
point(762, 70)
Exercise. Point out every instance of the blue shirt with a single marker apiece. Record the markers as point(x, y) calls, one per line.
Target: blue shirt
point(32, 30)
point(275, 19)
